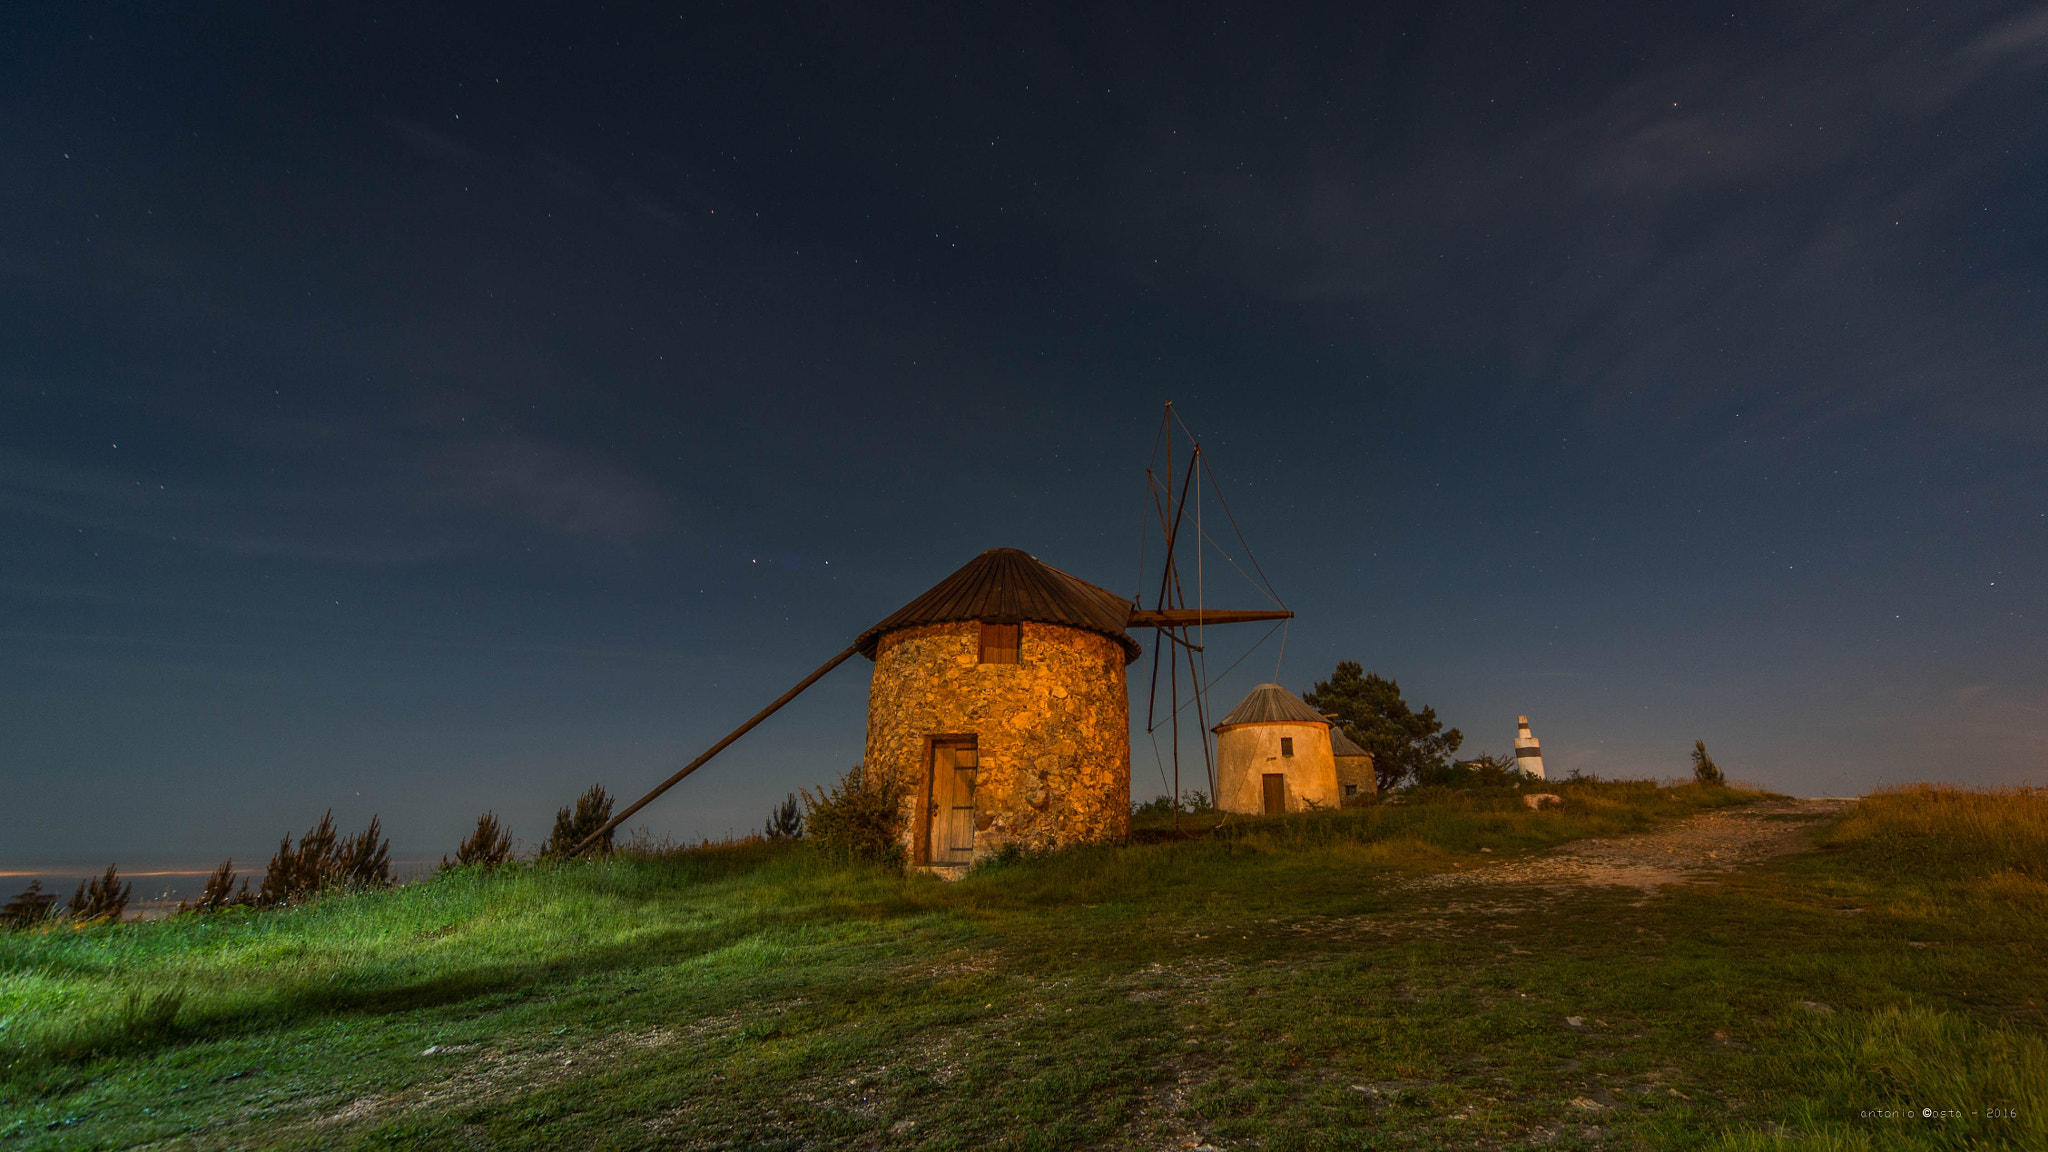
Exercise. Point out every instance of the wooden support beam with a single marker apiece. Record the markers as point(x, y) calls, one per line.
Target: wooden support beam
point(714, 750)
point(1196, 617)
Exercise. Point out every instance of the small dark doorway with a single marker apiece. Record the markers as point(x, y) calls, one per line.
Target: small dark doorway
point(951, 800)
point(1276, 793)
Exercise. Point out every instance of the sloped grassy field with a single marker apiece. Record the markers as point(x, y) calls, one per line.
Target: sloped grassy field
point(1286, 985)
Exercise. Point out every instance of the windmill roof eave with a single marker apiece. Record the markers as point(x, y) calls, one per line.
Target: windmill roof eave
point(1009, 585)
point(1272, 704)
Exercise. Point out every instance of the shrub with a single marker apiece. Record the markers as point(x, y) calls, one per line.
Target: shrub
point(1485, 772)
point(1704, 770)
point(490, 845)
point(219, 893)
point(323, 859)
point(861, 819)
point(30, 908)
point(785, 821)
point(573, 826)
point(1157, 806)
point(101, 898)
point(364, 860)
point(1192, 800)
point(295, 874)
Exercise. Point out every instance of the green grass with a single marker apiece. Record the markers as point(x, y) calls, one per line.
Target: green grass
point(1267, 984)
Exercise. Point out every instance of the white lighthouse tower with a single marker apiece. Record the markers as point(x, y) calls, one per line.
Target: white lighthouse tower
point(1528, 753)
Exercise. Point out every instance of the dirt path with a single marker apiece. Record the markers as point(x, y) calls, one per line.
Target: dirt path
point(1710, 842)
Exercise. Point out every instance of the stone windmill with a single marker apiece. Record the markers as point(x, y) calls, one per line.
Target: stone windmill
point(998, 707)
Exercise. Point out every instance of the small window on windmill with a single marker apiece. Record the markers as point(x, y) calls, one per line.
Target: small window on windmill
point(1287, 745)
point(999, 643)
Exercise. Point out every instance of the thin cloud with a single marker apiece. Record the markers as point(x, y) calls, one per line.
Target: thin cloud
point(545, 486)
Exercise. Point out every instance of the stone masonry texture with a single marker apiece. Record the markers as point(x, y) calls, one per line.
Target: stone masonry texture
point(1052, 732)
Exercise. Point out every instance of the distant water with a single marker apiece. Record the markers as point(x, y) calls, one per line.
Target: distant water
point(159, 887)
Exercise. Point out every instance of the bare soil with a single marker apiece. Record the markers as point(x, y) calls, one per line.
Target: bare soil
point(1709, 842)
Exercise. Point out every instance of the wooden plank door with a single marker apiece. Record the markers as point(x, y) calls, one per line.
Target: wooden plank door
point(952, 801)
point(1276, 793)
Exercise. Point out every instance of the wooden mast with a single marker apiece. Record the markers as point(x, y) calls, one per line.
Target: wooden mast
point(1171, 618)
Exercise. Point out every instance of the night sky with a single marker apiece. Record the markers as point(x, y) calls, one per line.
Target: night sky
point(415, 410)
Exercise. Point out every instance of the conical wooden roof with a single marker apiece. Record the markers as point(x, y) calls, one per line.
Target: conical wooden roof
point(1006, 586)
point(1272, 704)
point(1342, 745)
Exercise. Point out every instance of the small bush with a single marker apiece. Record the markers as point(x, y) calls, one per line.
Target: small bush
point(30, 908)
point(575, 825)
point(1013, 853)
point(296, 873)
point(861, 819)
point(323, 859)
point(101, 898)
point(1704, 770)
point(489, 846)
point(1484, 772)
point(1192, 800)
point(785, 821)
point(363, 860)
point(219, 893)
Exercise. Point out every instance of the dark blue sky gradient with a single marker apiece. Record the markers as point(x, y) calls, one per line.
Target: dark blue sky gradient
point(419, 410)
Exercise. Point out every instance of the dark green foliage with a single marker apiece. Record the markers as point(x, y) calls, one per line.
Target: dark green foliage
point(1485, 772)
point(1403, 742)
point(101, 898)
point(1192, 800)
point(30, 908)
point(1704, 770)
point(364, 860)
point(489, 846)
point(219, 893)
point(575, 825)
point(1157, 806)
point(861, 819)
point(785, 820)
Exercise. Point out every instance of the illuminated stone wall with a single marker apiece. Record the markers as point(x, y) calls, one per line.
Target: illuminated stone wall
point(1052, 732)
point(1357, 771)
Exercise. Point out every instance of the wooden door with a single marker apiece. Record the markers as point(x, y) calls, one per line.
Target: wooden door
point(952, 801)
point(1276, 793)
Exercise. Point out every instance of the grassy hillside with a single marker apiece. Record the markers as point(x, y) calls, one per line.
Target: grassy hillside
point(1285, 983)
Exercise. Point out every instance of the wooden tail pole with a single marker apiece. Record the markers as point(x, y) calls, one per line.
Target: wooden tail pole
point(714, 750)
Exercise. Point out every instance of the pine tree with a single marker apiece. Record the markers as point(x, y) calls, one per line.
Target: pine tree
point(1704, 770)
point(1404, 743)
point(573, 826)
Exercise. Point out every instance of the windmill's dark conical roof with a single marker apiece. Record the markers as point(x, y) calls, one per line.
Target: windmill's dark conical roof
point(1342, 745)
point(1272, 704)
point(1008, 585)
